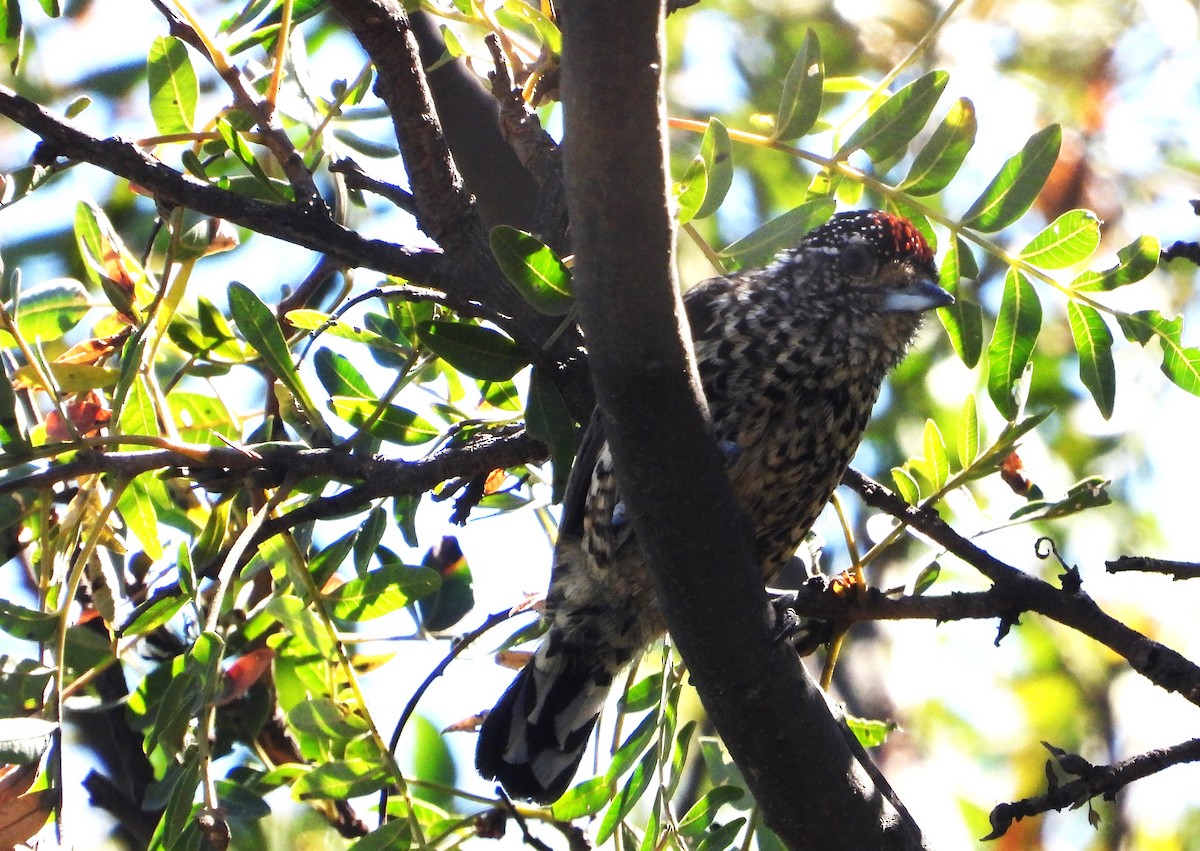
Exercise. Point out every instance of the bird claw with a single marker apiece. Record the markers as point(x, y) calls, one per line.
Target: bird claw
point(805, 635)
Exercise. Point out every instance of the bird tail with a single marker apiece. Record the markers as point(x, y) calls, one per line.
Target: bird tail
point(534, 738)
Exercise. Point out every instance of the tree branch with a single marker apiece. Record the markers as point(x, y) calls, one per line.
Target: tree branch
point(260, 112)
point(816, 787)
point(470, 274)
point(1175, 569)
point(375, 477)
point(1093, 780)
point(504, 190)
point(1158, 663)
point(444, 209)
point(301, 226)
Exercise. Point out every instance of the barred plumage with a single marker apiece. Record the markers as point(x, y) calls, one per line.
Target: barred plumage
point(791, 358)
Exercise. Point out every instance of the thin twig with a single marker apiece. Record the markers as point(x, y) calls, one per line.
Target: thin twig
point(1160, 664)
point(1145, 564)
point(1093, 780)
point(494, 619)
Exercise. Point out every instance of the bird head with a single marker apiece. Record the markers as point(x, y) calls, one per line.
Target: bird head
point(880, 260)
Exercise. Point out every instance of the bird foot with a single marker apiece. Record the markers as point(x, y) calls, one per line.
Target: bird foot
point(805, 635)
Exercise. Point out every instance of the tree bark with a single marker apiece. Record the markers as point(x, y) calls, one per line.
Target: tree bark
point(815, 785)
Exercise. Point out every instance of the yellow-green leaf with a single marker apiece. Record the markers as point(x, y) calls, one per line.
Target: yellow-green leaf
point(939, 161)
point(173, 87)
point(1071, 238)
point(1017, 184)
point(1093, 342)
point(1017, 327)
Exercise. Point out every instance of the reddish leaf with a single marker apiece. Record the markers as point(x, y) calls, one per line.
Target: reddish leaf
point(88, 416)
point(92, 351)
point(1012, 471)
point(243, 673)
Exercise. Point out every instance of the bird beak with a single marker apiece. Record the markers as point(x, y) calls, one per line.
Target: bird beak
point(918, 295)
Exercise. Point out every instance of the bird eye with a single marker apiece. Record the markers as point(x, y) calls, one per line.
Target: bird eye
point(857, 259)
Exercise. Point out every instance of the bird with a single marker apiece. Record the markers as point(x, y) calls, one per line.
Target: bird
point(791, 358)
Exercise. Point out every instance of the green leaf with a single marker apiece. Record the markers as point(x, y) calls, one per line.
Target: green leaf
point(906, 485)
point(12, 33)
point(968, 433)
point(51, 7)
point(643, 694)
point(585, 799)
point(868, 732)
point(546, 29)
point(1017, 184)
point(962, 320)
point(1092, 492)
point(47, 311)
point(395, 424)
point(697, 819)
point(27, 624)
point(679, 754)
point(939, 161)
point(1180, 363)
point(72, 377)
point(261, 184)
point(339, 376)
point(1094, 341)
point(137, 506)
point(629, 794)
point(716, 152)
point(300, 623)
point(474, 350)
point(382, 591)
point(326, 563)
point(1071, 238)
point(323, 717)
point(24, 740)
point(22, 685)
point(1017, 328)
point(1134, 262)
point(937, 462)
point(455, 597)
point(173, 87)
point(549, 420)
point(341, 779)
point(780, 232)
point(690, 190)
point(153, 614)
point(200, 418)
point(534, 269)
point(925, 579)
point(186, 693)
point(367, 539)
point(633, 746)
point(137, 502)
point(893, 125)
point(107, 261)
point(261, 330)
point(375, 148)
point(393, 835)
point(316, 321)
point(800, 104)
point(723, 837)
point(12, 438)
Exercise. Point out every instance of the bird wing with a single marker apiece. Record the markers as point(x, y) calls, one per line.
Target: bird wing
point(580, 481)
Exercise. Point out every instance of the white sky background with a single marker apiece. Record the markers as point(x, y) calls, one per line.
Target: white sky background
point(511, 554)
